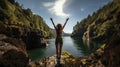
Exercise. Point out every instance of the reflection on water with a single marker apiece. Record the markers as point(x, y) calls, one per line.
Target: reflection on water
point(86, 46)
point(77, 47)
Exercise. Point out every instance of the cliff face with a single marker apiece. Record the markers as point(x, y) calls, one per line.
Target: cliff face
point(18, 21)
point(20, 29)
point(101, 25)
point(22, 24)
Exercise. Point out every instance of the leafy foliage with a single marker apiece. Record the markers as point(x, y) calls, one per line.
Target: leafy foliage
point(12, 13)
point(102, 24)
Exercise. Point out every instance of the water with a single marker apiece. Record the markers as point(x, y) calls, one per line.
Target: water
point(76, 47)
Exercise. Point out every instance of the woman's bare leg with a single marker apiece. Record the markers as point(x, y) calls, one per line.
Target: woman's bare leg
point(56, 50)
point(60, 49)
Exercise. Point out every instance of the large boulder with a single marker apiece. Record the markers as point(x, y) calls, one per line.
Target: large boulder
point(34, 39)
point(12, 52)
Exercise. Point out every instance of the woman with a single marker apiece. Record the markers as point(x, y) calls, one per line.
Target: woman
point(59, 42)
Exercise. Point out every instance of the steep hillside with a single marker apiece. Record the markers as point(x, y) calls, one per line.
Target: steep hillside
point(13, 16)
point(101, 25)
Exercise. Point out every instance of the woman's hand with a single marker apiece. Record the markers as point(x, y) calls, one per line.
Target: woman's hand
point(53, 22)
point(67, 19)
point(65, 22)
point(51, 19)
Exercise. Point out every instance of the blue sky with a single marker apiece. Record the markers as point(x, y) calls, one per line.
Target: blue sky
point(59, 10)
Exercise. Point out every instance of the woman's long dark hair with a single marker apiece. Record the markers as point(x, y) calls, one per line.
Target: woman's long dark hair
point(59, 28)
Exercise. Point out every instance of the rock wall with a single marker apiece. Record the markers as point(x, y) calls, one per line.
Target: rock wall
point(111, 56)
point(34, 39)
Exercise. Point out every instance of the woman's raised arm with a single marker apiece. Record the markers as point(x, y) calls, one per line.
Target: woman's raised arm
point(52, 22)
point(65, 22)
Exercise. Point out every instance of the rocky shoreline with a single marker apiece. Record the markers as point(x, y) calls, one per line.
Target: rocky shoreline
point(13, 53)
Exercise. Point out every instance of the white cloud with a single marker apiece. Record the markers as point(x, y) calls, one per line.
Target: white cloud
point(82, 9)
point(48, 4)
point(56, 8)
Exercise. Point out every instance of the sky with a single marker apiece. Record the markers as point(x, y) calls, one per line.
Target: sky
point(59, 10)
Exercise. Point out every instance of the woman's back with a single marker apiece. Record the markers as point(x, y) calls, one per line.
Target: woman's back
point(59, 30)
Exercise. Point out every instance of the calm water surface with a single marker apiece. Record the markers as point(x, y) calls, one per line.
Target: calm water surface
point(76, 47)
